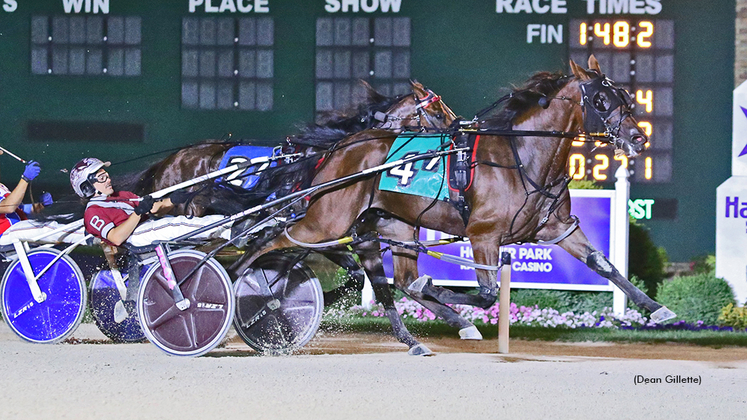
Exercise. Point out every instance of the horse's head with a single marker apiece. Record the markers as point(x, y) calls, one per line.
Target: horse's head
point(422, 109)
point(608, 110)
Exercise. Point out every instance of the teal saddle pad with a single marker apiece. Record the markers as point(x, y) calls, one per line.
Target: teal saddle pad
point(425, 177)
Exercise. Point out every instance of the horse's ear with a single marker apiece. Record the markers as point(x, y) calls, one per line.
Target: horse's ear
point(373, 95)
point(594, 64)
point(419, 90)
point(579, 72)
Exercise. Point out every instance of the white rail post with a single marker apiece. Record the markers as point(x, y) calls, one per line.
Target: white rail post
point(621, 221)
point(504, 309)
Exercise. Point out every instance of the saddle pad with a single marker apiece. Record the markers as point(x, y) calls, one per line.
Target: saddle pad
point(240, 154)
point(422, 177)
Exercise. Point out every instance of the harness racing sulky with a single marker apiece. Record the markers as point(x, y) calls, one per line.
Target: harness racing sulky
point(335, 189)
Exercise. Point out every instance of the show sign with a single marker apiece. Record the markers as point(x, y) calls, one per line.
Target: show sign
point(731, 206)
point(534, 266)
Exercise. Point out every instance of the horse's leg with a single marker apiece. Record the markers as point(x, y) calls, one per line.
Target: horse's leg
point(579, 246)
point(354, 283)
point(372, 263)
point(485, 252)
point(406, 272)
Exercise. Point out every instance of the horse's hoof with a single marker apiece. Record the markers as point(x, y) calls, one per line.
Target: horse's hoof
point(470, 333)
point(420, 350)
point(662, 314)
point(419, 284)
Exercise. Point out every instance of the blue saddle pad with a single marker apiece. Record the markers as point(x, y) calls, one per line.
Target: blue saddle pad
point(422, 177)
point(245, 178)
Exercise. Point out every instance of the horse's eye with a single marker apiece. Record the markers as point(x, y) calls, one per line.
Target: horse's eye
point(439, 116)
point(601, 102)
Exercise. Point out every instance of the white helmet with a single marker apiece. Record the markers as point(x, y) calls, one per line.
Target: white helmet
point(82, 174)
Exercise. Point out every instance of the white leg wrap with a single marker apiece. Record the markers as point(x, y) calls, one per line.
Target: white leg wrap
point(470, 333)
point(419, 283)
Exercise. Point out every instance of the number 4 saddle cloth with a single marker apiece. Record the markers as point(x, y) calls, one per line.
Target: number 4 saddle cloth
point(425, 177)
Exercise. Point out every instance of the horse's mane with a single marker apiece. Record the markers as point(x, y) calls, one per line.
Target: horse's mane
point(524, 98)
point(336, 125)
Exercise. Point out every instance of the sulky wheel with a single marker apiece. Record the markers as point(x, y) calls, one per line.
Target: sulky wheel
point(61, 311)
point(104, 299)
point(279, 304)
point(203, 325)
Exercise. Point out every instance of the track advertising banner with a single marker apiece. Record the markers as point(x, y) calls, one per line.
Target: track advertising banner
point(533, 266)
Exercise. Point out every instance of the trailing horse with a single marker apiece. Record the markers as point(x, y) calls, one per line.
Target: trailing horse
point(518, 193)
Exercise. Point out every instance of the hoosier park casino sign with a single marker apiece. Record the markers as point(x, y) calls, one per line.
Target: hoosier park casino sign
point(534, 266)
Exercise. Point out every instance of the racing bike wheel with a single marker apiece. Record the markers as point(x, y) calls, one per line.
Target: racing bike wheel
point(104, 297)
point(279, 303)
point(200, 327)
point(60, 313)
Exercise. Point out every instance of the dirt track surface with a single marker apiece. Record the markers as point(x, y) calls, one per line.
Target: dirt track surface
point(368, 376)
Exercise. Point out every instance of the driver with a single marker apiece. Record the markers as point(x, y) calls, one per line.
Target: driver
point(119, 216)
point(12, 210)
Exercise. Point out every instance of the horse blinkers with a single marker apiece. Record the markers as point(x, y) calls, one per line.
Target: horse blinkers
point(600, 98)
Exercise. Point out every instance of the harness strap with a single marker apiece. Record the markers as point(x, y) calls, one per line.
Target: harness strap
point(440, 255)
point(492, 106)
point(428, 100)
point(564, 235)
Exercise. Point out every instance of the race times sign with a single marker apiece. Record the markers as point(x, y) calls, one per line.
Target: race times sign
point(533, 266)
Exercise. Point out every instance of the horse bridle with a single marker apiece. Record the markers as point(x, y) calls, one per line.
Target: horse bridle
point(420, 107)
point(599, 99)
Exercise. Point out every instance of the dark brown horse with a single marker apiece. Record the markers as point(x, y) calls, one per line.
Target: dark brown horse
point(518, 193)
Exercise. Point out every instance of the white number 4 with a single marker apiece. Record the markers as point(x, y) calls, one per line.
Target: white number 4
point(404, 173)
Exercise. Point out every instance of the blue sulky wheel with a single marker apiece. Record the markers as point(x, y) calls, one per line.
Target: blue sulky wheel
point(202, 326)
point(104, 296)
point(55, 318)
point(279, 304)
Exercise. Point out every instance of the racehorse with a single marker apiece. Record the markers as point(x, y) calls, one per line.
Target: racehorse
point(388, 113)
point(518, 194)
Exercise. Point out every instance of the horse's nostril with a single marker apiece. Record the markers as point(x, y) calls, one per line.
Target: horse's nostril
point(639, 140)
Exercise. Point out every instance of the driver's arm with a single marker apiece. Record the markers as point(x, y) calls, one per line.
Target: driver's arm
point(119, 234)
point(10, 203)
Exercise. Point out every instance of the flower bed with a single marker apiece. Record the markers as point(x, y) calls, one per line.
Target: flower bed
point(527, 316)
